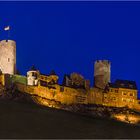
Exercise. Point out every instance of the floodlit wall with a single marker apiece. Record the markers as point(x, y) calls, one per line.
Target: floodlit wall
point(120, 97)
point(95, 96)
point(65, 95)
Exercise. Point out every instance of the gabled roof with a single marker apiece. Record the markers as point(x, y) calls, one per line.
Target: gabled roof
point(124, 84)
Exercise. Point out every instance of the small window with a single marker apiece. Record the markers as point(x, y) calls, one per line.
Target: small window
point(114, 98)
point(34, 74)
point(131, 94)
point(111, 90)
point(124, 93)
point(116, 91)
point(42, 83)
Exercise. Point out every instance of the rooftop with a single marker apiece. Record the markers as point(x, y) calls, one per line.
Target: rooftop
point(123, 84)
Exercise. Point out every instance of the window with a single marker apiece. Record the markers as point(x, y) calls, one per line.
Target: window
point(131, 94)
point(116, 91)
point(42, 83)
point(114, 98)
point(111, 90)
point(124, 93)
point(8, 59)
point(34, 74)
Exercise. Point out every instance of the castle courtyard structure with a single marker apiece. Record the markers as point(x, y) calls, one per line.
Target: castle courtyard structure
point(75, 89)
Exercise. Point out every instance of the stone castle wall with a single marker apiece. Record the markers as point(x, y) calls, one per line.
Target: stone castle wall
point(65, 95)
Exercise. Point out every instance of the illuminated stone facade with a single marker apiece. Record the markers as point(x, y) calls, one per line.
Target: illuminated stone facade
point(113, 96)
point(74, 89)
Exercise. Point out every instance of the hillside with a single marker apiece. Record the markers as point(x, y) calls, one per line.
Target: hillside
point(20, 120)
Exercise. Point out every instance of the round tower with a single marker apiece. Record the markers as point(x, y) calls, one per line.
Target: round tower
point(8, 56)
point(101, 73)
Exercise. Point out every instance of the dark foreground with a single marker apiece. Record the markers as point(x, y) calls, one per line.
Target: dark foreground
point(20, 120)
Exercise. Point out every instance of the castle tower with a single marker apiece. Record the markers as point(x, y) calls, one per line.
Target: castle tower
point(101, 73)
point(8, 56)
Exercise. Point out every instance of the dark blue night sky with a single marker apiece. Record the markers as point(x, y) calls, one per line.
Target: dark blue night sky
point(70, 36)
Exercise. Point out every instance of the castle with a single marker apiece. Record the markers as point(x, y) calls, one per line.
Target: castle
point(75, 89)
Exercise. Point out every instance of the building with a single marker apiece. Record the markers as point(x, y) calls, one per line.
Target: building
point(75, 89)
point(121, 93)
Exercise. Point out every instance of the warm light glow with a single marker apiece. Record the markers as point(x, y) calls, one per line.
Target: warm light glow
point(129, 118)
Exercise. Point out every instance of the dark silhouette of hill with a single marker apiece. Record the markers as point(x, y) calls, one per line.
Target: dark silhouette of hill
point(20, 120)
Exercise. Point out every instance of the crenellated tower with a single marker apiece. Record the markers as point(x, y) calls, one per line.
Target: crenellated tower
point(101, 73)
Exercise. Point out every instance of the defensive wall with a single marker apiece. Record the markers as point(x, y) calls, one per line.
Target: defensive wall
point(112, 97)
point(66, 95)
